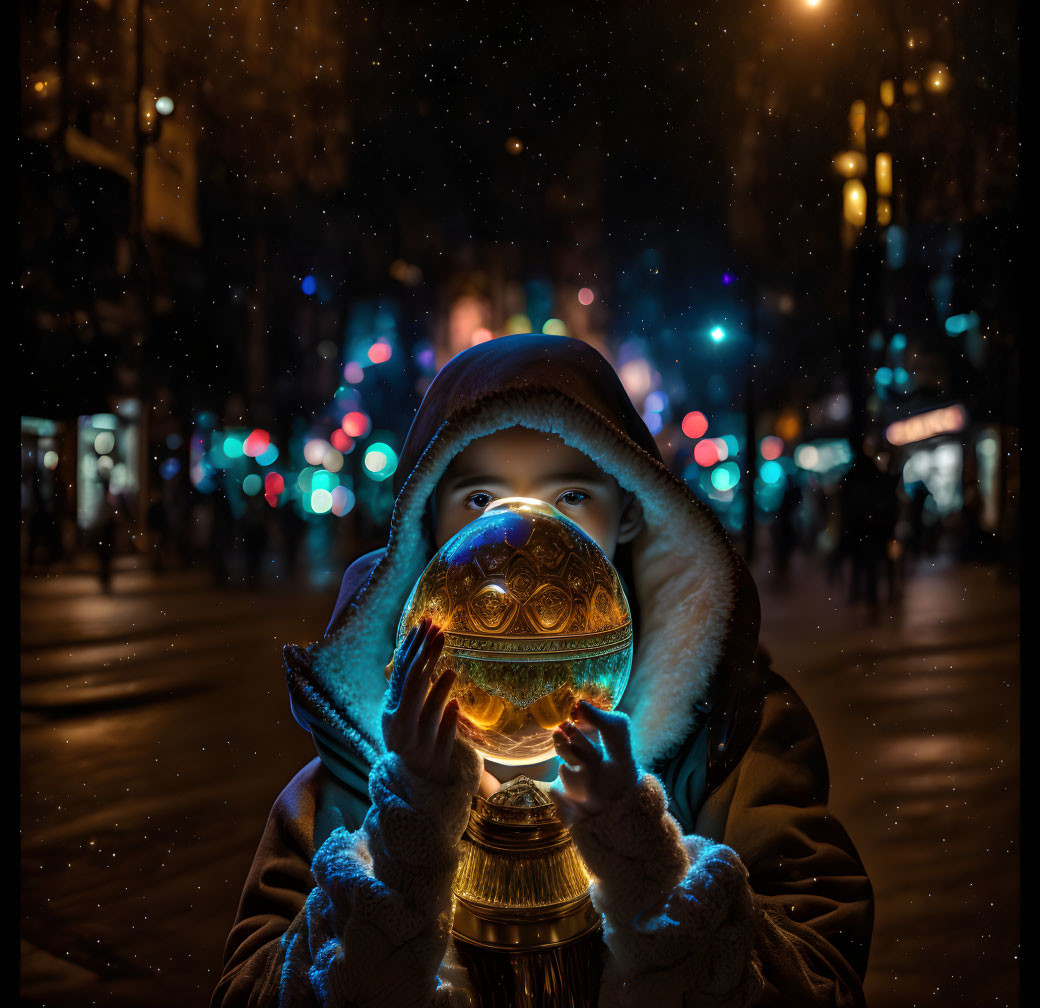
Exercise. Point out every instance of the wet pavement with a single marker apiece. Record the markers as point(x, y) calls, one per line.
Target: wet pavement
point(156, 734)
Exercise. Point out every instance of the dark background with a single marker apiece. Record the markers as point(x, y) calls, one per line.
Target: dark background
point(336, 182)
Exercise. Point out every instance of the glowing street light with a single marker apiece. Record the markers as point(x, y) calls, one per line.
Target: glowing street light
point(850, 163)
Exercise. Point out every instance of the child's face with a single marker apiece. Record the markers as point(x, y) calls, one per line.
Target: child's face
point(523, 463)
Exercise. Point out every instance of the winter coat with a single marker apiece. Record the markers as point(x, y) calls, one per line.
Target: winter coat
point(756, 893)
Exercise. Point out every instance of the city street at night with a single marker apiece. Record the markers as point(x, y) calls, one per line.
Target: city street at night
point(156, 733)
point(581, 313)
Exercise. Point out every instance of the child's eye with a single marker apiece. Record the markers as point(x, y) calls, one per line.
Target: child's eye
point(572, 498)
point(479, 501)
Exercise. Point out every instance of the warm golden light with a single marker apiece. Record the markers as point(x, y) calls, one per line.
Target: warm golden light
point(534, 617)
point(926, 425)
point(857, 115)
point(514, 145)
point(883, 124)
point(884, 211)
point(883, 174)
point(855, 202)
point(850, 163)
point(888, 92)
point(938, 78)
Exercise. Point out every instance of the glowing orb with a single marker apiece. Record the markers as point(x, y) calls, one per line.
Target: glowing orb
point(534, 618)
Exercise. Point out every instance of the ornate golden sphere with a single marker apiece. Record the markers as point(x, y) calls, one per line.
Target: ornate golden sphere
point(534, 618)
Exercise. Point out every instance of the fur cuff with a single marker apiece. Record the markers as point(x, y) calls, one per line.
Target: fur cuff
point(700, 945)
point(634, 851)
point(415, 824)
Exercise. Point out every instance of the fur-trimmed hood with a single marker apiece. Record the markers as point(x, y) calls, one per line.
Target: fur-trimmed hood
point(698, 608)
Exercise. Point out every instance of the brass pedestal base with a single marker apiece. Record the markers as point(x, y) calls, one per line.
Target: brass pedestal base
point(524, 926)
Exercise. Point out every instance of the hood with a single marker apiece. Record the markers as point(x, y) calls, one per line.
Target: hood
point(698, 609)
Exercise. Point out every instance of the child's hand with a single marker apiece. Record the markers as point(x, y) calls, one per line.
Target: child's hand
point(420, 726)
point(597, 766)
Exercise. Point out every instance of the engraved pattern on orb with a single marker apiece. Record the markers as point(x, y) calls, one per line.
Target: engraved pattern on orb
point(534, 618)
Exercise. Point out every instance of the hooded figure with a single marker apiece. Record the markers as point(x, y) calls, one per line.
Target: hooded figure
point(760, 895)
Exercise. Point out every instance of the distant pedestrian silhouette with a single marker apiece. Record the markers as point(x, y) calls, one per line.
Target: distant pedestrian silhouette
point(158, 532)
point(869, 510)
point(103, 531)
point(784, 530)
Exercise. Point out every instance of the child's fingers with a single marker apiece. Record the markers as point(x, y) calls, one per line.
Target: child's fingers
point(445, 739)
point(432, 650)
point(413, 644)
point(416, 682)
point(575, 747)
point(404, 655)
point(573, 784)
point(566, 809)
point(613, 727)
point(433, 708)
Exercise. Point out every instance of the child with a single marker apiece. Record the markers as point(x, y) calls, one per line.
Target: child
point(699, 807)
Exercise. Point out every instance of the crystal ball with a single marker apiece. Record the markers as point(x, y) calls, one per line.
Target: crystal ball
point(534, 618)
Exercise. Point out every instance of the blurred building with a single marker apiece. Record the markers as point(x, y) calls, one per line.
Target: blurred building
point(268, 226)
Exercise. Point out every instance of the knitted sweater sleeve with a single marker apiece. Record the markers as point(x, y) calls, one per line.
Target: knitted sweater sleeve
point(677, 910)
point(374, 930)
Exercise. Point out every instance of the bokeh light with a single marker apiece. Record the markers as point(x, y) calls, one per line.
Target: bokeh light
point(252, 485)
point(771, 472)
point(324, 480)
point(232, 446)
point(653, 421)
point(657, 401)
point(321, 501)
point(694, 424)
point(356, 424)
point(586, 296)
point(517, 323)
point(308, 285)
point(314, 451)
point(342, 501)
point(380, 460)
point(771, 447)
point(268, 456)
point(256, 443)
point(637, 378)
point(354, 372)
point(725, 476)
point(379, 352)
point(705, 453)
point(342, 441)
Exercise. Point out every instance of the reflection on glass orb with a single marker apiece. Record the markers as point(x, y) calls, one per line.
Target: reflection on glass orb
point(534, 618)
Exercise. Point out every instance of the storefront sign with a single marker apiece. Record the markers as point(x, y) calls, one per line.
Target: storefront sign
point(926, 425)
